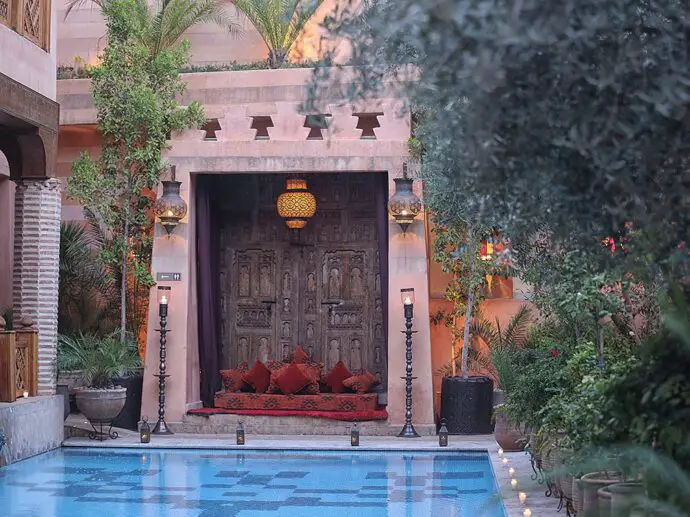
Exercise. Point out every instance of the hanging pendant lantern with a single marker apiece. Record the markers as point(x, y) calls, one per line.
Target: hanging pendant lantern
point(404, 205)
point(170, 208)
point(297, 205)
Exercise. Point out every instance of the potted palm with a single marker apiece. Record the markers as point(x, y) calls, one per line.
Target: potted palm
point(466, 400)
point(99, 361)
point(503, 347)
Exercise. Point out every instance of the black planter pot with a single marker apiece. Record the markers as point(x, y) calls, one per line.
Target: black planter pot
point(131, 413)
point(466, 404)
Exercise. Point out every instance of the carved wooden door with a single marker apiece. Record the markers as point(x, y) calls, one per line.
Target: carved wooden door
point(322, 292)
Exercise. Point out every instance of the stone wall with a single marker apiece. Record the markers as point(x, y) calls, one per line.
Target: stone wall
point(31, 426)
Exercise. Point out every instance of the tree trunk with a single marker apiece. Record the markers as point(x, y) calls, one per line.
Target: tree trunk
point(470, 301)
point(453, 342)
point(123, 283)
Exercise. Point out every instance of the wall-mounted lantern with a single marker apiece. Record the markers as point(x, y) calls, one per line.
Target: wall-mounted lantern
point(170, 208)
point(404, 205)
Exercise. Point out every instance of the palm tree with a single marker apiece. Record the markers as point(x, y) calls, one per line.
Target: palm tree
point(164, 23)
point(279, 23)
point(500, 343)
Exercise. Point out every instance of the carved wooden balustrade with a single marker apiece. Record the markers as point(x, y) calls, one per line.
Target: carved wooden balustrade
point(18, 361)
point(30, 18)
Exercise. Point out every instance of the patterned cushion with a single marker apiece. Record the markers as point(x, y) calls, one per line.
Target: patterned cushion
point(299, 356)
point(259, 377)
point(232, 379)
point(277, 368)
point(334, 379)
point(293, 379)
point(323, 402)
point(313, 370)
point(360, 383)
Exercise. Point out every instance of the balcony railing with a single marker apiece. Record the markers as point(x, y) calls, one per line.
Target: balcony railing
point(18, 361)
point(30, 18)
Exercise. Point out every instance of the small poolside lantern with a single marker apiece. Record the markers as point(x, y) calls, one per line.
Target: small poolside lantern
point(170, 208)
point(443, 434)
point(240, 434)
point(144, 432)
point(296, 205)
point(404, 205)
point(354, 436)
point(407, 297)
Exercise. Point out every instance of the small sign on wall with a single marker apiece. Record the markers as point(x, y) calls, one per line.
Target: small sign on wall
point(168, 277)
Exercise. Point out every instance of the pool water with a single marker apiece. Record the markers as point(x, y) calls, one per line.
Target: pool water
point(210, 483)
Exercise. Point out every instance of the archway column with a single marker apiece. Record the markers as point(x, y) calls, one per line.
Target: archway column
point(36, 268)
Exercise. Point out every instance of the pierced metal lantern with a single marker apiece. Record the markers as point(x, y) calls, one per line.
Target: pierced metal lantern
point(404, 205)
point(144, 432)
point(170, 208)
point(354, 436)
point(443, 434)
point(240, 434)
point(297, 205)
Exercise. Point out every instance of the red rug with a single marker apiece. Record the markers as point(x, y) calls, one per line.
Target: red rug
point(348, 416)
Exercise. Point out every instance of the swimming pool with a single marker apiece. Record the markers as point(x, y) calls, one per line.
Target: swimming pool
point(211, 483)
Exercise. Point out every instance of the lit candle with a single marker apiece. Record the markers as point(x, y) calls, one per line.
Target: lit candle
point(513, 483)
point(164, 300)
point(26, 394)
point(408, 301)
point(523, 497)
point(511, 471)
point(527, 513)
point(500, 452)
point(505, 461)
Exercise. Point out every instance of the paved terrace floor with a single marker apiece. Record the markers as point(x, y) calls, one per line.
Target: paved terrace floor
point(540, 505)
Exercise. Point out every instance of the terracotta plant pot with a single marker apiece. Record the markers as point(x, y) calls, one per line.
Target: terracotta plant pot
point(623, 497)
point(100, 405)
point(604, 502)
point(508, 437)
point(591, 483)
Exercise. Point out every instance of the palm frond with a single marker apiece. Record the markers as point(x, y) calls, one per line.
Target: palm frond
point(75, 4)
point(516, 331)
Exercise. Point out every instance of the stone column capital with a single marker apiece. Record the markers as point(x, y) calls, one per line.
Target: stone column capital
point(40, 184)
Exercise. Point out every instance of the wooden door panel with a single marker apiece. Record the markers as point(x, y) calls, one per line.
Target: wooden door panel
point(276, 294)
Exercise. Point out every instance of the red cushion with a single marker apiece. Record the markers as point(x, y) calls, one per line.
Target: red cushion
point(334, 379)
point(299, 356)
point(232, 379)
point(360, 383)
point(258, 377)
point(292, 379)
point(276, 367)
point(313, 371)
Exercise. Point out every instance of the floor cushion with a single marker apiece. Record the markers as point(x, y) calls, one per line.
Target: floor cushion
point(334, 379)
point(299, 356)
point(259, 377)
point(322, 402)
point(313, 370)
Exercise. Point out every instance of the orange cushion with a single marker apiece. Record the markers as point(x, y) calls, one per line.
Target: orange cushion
point(360, 383)
point(292, 379)
point(258, 377)
point(232, 379)
point(334, 379)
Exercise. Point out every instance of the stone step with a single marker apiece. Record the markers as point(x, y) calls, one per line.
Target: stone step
point(287, 426)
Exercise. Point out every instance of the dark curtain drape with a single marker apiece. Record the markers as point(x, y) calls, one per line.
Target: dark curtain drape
point(382, 232)
point(207, 256)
